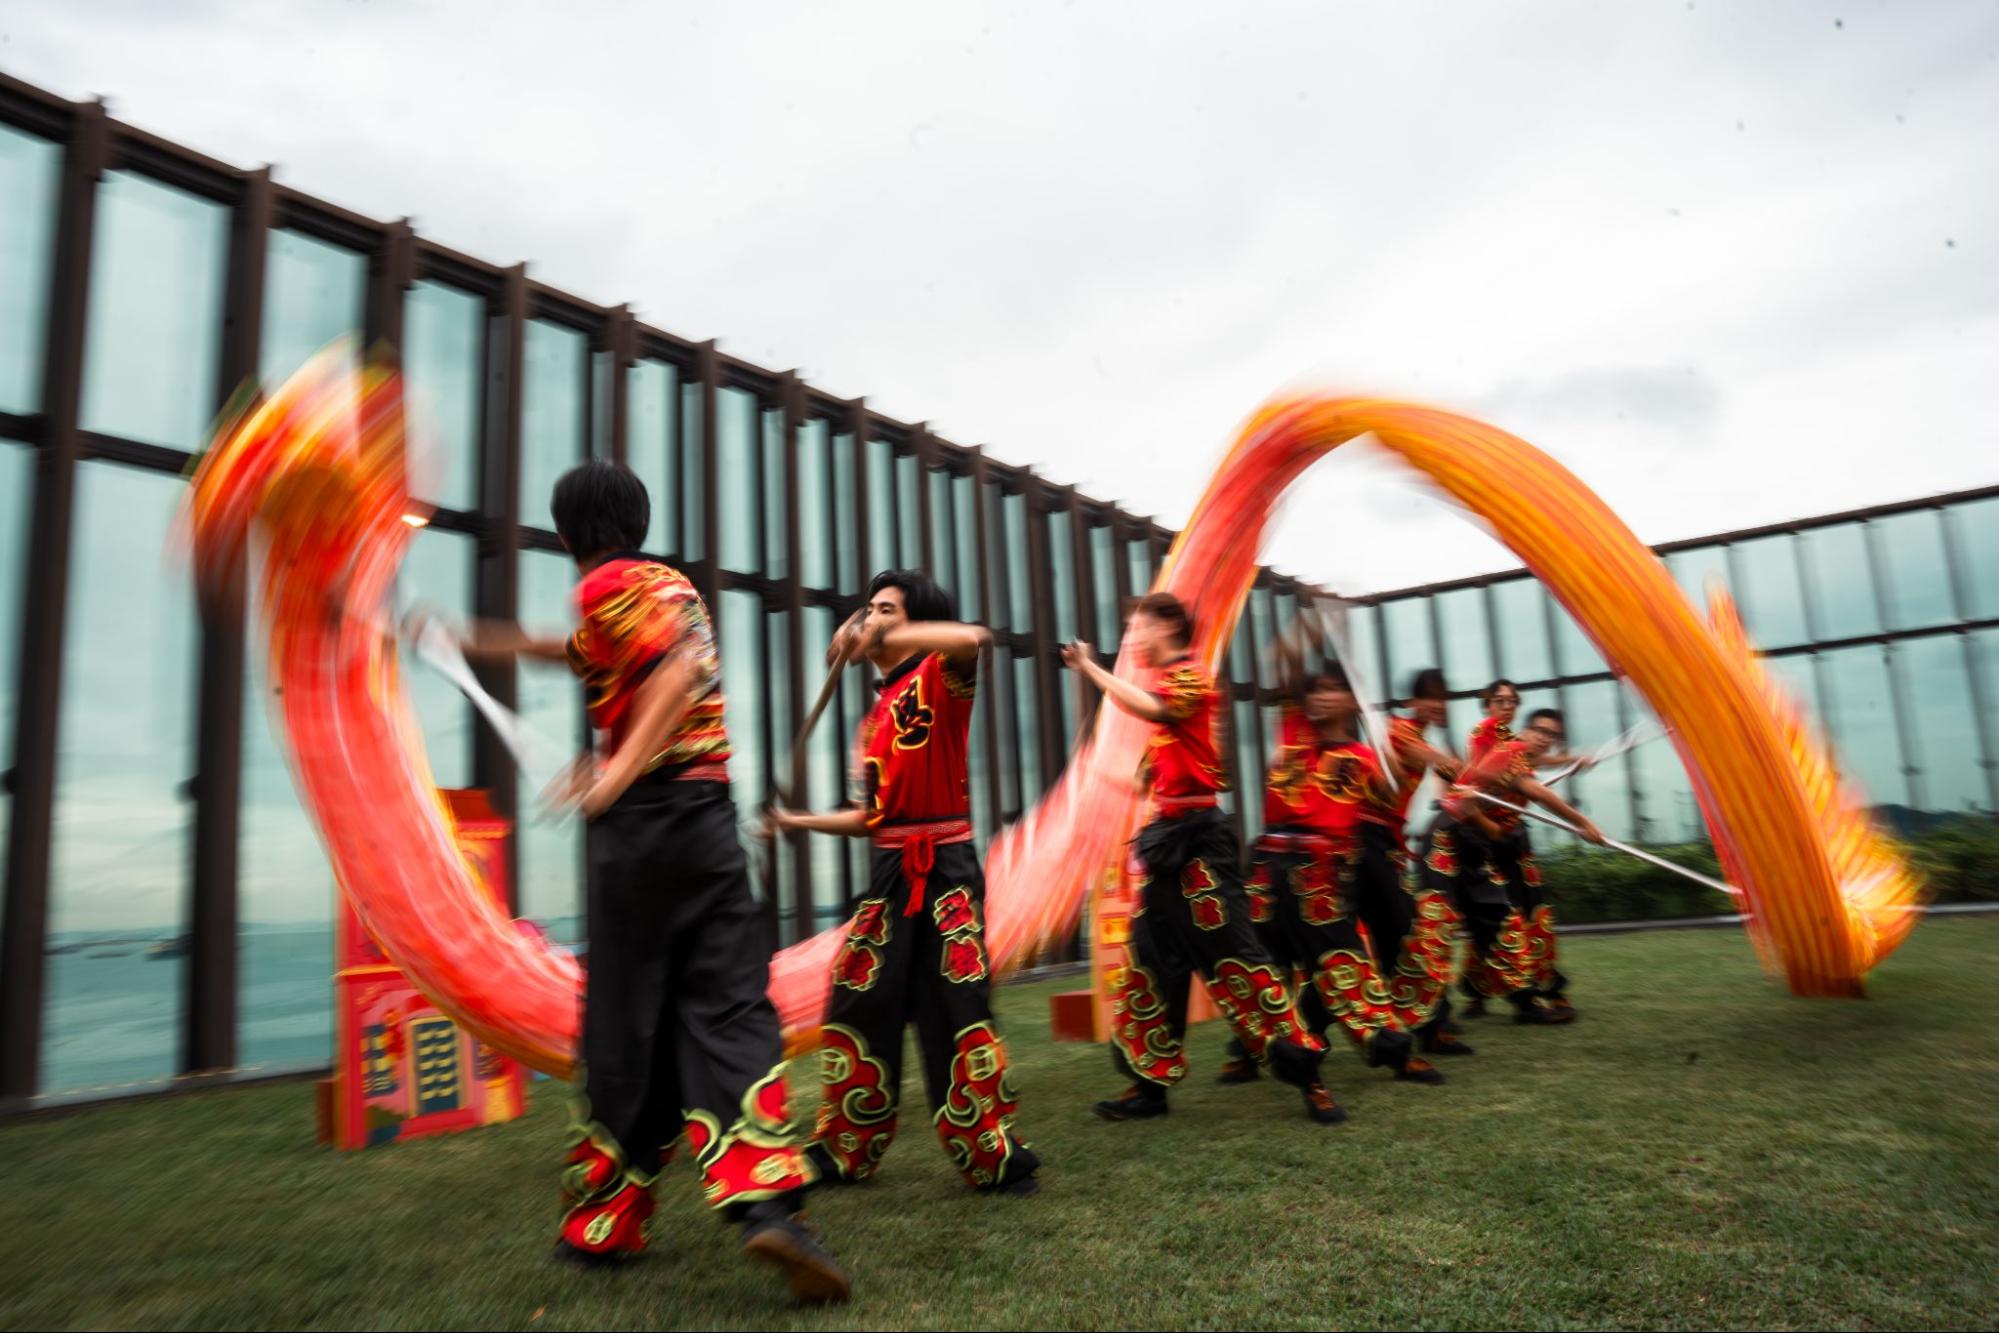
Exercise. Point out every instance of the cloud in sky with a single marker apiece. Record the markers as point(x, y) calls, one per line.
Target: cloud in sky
point(1731, 264)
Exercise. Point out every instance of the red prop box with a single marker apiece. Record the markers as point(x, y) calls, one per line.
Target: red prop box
point(402, 1069)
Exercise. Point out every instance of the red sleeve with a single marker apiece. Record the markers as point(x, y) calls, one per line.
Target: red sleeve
point(635, 617)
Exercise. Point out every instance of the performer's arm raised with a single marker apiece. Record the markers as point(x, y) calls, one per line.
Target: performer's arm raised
point(1132, 698)
point(1542, 796)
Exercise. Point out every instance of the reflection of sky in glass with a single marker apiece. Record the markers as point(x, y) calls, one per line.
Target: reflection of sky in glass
point(1916, 576)
point(125, 747)
point(312, 295)
point(847, 554)
point(776, 489)
point(1020, 590)
point(1863, 723)
point(1467, 655)
point(1411, 646)
point(1520, 608)
point(736, 475)
point(1030, 743)
point(1696, 568)
point(1842, 588)
point(815, 484)
point(881, 508)
point(909, 517)
point(155, 317)
point(1766, 583)
point(1603, 792)
point(1937, 685)
point(555, 363)
point(654, 389)
point(17, 473)
point(28, 175)
point(551, 702)
point(822, 786)
point(1062, 572)
point(1975, 531)
point(965, 534)
point(443, 346)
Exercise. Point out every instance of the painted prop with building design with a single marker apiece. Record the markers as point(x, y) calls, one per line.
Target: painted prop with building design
point(319, 467)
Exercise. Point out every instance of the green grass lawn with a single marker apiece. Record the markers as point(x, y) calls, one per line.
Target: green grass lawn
point(1701, 1150)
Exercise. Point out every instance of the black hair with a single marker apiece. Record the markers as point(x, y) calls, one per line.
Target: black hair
point(600, 506)
point(1331, 676)
point(1428, 684)
point(922, 599)
point(1485, 695)
point(1554, 713)
point(1165, 607)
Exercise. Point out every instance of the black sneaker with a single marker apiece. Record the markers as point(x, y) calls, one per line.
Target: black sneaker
point(1535, 1014)
point(1137, 1102)
point(1559, 1006)
point(813, 1274)
point(1476, 1008)
point(1321, 1107)
point(1445, 1043)
point(1023, 1187)
point(1419, 1071)
point(1239, 1069)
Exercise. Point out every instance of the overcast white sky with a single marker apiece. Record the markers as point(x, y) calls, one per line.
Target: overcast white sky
point(1732, 263)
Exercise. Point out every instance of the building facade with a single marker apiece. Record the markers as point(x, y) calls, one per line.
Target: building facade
point(167, 909)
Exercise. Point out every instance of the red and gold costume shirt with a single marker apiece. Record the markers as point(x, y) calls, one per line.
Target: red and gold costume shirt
point(1488, 733)
point(1325, 786)
point(1406, 735)
point(635, 612)
point(1503, 764)
point(912, 745)
point(1183, 754)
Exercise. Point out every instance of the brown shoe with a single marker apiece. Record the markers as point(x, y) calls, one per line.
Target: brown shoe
point(1137, 1102)
point(1239, 1069)
point(813, 1274)
point(1420, 1071)
point(1559, 1005)
point(1475, 1009)
point(1321, 1107)
point(1445, 1043)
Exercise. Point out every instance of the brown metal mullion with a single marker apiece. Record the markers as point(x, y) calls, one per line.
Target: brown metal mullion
point(497, 590)
point(24, 915)
point(208, 1038)
point(621, 338)
point(983, 557)
point(1047, 706)
point(791, 397)
point(391, 272)
point(708, 370)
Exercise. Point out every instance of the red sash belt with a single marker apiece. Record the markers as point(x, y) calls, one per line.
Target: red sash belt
point(918, 844)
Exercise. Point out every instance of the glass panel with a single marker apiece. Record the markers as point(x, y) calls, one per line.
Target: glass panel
point(965, 533)
point(985, 819)
point(909, 513)
point(998, 544)
point(778, 727)
point(120, 860)
point(815, 499)
point(845, 509)
point(1018, 584)
point(1248, 765)
point(1985, 660)
point(1062, 573)
point(1242, 654)
point(655, 392)
point(29, 172)
point(1766, 582)
point(1667, 812)
point(1975, 530)
point(1916, 575)
point(1138, 558)
point(776, 486)
point(312, 295)
point(881, 509)
point(693, 470)
point(1467, 645)
point(1604, 792)
point(552, 385)
point(438, 571)
point(1574, 653)
point(1026, 713)
point(1520, 608)
point(999, 697)
point(1262, 626)
point(1103, 583)
point(155, 318)
point(600, 404)
point(1364, 636)
point(1798, 674)
point(17, 489)
point(551, 701)
point(1411, 645)
point(823, 790)
point(444, 349)
point(1695, 568)
point(736, 476)
point(945, 553)
point(1842, 587)
point(1461, 717)
point(1936, 683)
point(1862, 723)
point(743, 694)
point(856, 697)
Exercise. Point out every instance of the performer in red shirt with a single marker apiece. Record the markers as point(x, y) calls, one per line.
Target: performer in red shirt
point(1309, 876)
point(1194, 915)
point(678, 1033)
point(1464, 856)
point(915, 949)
